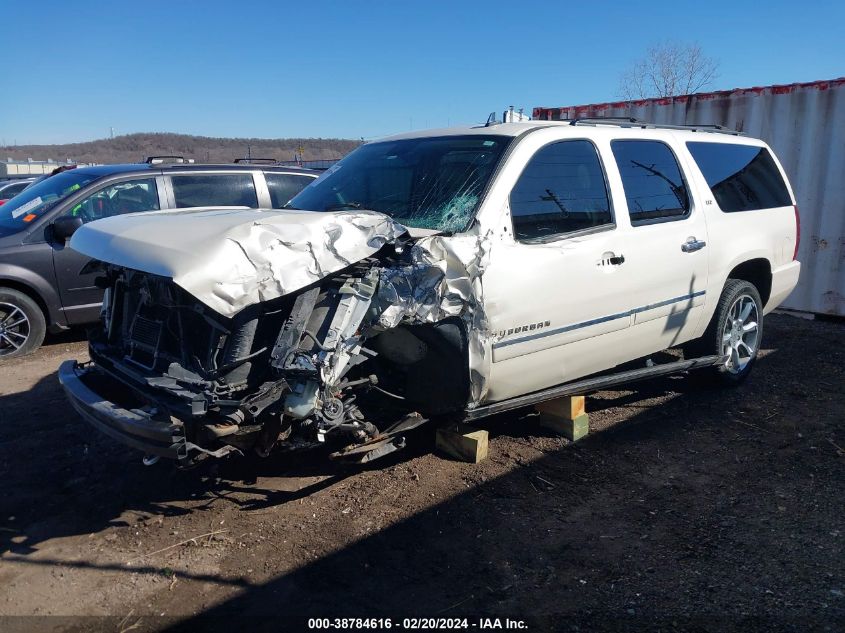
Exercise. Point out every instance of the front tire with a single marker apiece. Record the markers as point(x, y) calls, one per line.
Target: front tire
point(22, 324)
point(735, 331)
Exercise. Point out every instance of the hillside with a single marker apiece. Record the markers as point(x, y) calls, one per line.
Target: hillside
point(131, 148)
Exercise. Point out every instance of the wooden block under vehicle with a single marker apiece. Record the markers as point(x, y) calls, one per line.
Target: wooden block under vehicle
point(565, 416)
point(568, 407)
point(463, 443)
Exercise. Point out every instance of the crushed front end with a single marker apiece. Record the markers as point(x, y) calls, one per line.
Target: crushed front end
point(345, 318)
point(353, 360)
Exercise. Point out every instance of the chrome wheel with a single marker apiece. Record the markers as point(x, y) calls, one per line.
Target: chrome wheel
point(741, 334)
point(14, 328)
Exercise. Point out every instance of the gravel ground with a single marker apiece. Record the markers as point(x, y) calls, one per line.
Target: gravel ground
point(687, 507)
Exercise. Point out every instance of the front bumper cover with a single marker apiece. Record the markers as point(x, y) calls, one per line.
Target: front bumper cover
point(132, 427)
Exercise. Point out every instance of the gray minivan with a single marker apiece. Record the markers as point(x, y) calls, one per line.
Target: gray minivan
point(44, 285)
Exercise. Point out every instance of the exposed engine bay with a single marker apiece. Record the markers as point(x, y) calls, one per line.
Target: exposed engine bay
point(352, 360)
point(347, 317)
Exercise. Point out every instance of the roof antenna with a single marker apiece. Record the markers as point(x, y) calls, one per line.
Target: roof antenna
point(491, 120)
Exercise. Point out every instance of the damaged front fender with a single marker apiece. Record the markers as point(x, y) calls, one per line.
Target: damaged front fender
point(444, 280)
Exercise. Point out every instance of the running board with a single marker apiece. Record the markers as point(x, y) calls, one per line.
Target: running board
point(588, 385)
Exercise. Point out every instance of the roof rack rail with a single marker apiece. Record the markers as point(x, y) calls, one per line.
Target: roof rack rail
point(632, 122)
point(318, 164)
point(604, 119)
point(158, 160)
point(256, 161)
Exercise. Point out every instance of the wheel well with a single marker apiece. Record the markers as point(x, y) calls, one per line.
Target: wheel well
point(757, 272)
point(30, 292)
point(429, 362)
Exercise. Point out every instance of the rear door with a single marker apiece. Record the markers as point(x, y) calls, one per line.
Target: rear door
point(665, 245)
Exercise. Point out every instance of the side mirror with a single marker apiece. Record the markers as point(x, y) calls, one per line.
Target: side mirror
point(65, 226)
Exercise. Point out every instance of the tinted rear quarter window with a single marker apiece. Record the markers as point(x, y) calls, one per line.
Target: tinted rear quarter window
point(283, 187)
point(215, 190)
point(741, 177)
point(561, 190)
point(651, 178)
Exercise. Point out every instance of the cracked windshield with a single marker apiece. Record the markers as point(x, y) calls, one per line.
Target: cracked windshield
point(427, 183)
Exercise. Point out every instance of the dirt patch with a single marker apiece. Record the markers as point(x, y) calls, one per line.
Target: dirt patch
point(687, 505)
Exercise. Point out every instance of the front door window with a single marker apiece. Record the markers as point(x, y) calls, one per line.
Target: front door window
point(124, 197)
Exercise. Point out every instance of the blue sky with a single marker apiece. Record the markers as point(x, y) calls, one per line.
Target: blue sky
point(366, 69)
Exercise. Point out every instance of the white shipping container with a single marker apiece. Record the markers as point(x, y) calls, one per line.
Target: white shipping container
point(805, 125)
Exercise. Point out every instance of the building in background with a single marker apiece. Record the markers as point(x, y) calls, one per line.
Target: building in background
point(27, 168)
point(805, 125)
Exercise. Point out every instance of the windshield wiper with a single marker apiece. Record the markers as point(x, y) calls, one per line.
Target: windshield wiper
point(343, 205)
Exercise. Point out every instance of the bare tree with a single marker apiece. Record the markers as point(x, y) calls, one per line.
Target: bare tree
point(668, 69)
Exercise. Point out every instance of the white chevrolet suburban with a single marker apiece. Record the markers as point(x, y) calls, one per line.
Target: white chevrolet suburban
point(446, 274)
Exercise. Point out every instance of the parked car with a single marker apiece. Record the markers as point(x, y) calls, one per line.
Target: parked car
point(10, 188)
point(46, 285)
point(57, 170)
point(452, 273)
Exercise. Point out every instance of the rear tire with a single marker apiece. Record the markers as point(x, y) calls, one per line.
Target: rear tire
point(22, 324)
point(736, 331)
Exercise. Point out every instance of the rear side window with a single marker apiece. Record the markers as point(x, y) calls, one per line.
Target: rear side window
point(741, 177)
point(561, 190)
point(215, 190)
point(651, 177)
point(283, 187)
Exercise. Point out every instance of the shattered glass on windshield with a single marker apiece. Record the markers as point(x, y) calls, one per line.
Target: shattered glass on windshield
point(427, 183)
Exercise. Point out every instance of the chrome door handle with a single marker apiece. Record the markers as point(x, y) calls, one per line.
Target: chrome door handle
point(692, 245)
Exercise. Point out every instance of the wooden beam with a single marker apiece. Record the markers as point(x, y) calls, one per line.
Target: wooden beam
point(568, 407)
point(463, 443)
point(566, 416)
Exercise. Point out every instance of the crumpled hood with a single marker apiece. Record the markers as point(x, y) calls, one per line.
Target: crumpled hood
point(233, 258)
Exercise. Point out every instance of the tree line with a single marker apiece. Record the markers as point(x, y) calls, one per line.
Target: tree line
point(132, 148)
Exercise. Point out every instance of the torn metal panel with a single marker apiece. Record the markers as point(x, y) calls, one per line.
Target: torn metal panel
point(233, 258)
point(443, 280)
point(342, 337)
